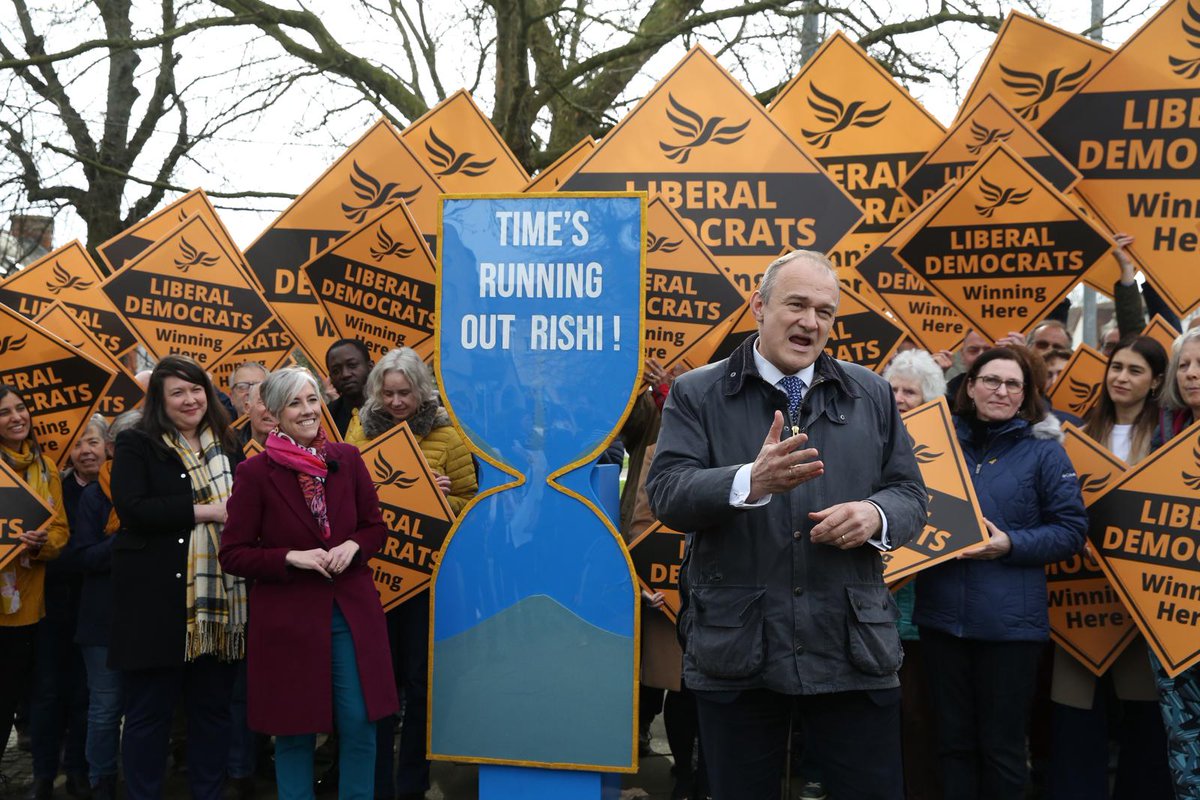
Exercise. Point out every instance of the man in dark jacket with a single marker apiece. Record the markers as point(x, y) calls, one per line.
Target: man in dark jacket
point(785, 604)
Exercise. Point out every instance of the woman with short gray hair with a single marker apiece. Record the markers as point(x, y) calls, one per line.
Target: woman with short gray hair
point(915, 378)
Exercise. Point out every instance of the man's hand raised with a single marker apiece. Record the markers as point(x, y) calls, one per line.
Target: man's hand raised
point(781, 465)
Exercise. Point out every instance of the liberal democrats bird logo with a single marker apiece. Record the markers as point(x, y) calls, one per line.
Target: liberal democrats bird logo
point(660, 244)
point(191, 257)
point(1084, 393)
point(698, 131)
point(997, 197)
point(839, 117)
point(389, 246)
point(1093, 484)
point(11, 344)
point(1189, 67)
point(373, 194)
point(451, 162)
point(982, 136)
point(925, 454)
point(64, 280)
point(1041, 87)
point(386, 475)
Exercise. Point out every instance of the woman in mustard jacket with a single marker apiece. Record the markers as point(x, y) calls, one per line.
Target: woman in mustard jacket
point(401, 389)
point(22, 580)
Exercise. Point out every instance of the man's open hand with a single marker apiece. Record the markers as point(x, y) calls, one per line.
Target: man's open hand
point(781, 465)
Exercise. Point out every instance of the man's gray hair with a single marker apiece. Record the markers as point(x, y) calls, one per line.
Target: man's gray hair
point(919, 366)
point(284, 384)
point(771, 273)
point(1171, 393)
point(405, 361)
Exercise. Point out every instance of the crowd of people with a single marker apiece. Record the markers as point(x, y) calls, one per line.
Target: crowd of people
point(186, 598)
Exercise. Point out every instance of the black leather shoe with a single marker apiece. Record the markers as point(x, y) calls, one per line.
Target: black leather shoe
point(79, 786)
point(41, 789)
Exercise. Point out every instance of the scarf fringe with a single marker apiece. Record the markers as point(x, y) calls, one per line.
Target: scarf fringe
point(226, 642)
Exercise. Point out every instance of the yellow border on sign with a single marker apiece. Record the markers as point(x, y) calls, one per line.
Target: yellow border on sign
point(520, 478)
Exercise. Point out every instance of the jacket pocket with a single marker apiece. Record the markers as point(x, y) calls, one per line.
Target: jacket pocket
point(726, 631)
point(874, 641)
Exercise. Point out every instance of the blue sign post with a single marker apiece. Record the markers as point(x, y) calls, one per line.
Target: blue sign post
point(534, 645)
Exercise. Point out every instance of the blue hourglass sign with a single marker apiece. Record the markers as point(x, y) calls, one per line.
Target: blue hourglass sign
point(534, 638)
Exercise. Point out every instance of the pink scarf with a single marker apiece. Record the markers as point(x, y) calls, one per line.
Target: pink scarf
point(310, 470)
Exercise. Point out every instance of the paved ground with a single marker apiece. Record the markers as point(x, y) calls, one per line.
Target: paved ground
point(451, 781)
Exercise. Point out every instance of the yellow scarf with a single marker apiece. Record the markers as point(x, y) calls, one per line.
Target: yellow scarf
point(113, 524)
point(26, 462)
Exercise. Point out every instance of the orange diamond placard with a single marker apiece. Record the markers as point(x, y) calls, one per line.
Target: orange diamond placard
point(125, 392)
point(415, 511)
point(657, 555)
point(270, 345)
point(1003, 246)
point(129, 243)
point(61, 386)
point(1034, 67)
point(1162, 332)
point(1079, 384)
point(973, 136)
point(932, 322)
point(1146, 533)
point(954, 522)
point(187, 294)
point(1133, 131)
point(687, 294)
point(850, 114)
point(375, 173)
point(463, 150)
point(21, 509)
point(549, 179)
point(377, 284)
point(69, 274)
point(1087, 618)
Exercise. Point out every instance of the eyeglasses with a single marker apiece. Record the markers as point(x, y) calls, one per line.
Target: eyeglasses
point(993, 384)
point(244, 386)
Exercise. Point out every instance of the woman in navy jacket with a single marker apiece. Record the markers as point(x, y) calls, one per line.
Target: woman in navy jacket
point(982, 617)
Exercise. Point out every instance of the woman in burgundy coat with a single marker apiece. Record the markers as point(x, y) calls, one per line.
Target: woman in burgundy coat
point(303, 521)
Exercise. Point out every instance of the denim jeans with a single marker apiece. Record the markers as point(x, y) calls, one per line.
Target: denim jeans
point(104, 713)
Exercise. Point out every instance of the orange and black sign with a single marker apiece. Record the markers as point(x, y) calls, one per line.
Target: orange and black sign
point(270, 345)
point(129, 243)
point(125, 392)
point(700, 142)
point(1003, 246)
point(1079, 384)
point(415, 511)
point(375, 173)
point(378, 283)
point(68, 274)
point(61, 386)
point(187, 294)
point(848, 113)
point(1162, 332)
point(973, 136)
point(1033, 67)
point(932, 322)
point(1133, 131)
point(549, 179)
point(954, 522)
point(1087, 618)
point(21, 509)
point(657, 555)
point(1146, 533)
point(252, 448)
point(460, 146)
point(687, 294)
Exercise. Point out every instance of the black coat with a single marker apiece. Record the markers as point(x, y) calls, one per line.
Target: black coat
point(153, 497)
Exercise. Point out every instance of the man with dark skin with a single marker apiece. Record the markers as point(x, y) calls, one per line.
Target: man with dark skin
point(348, 362)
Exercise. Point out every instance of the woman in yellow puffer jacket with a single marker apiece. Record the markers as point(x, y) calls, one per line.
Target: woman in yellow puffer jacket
point(22, 580)
point(401, 389)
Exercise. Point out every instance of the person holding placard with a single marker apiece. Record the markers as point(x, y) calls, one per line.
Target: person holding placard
point(22, 583)
point(1179, 697)
point(401, 389)
point(982, 617)
point(1123, 420)
point(783, 601)
point(303, 521)
point(178, 619)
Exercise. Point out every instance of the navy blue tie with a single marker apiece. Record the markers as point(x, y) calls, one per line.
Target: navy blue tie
point(795, 395)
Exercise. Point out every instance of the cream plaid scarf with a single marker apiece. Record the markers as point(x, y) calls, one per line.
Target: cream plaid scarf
point(216, 602)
